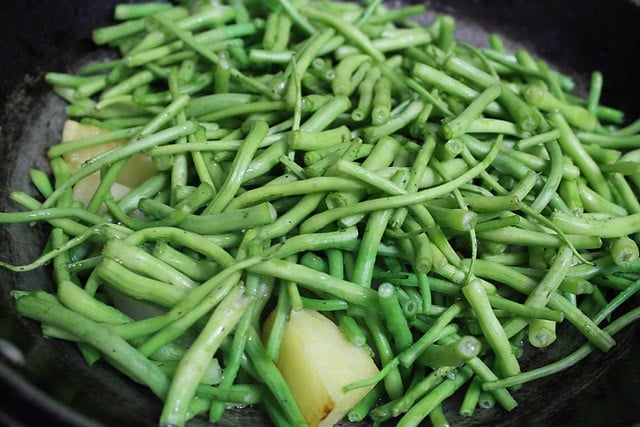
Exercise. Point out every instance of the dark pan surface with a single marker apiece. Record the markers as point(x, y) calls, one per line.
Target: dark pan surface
point(39, 36)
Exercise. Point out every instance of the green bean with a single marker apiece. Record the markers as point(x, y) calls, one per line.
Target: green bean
point(308, 141)
point(148, 188)
point(444, 82)
point(428, 96)
point(572, 147)
point(392, 378)
point(421, 213)
point(341, 84)
point(424, 406)
point(386, 127)
point(347, 30)
point(200, 196)
point(487, 204)
point(361, 410)
point(75, 298)
point(69, 226)
point(376, 224)
point(276, 324)
point(341, 239)
point(107, 34)
point(233, 361)
point(610, 228)
point(311, 49)
point(394, 318)
point(525, 285)
point(195, 304)
point(351, 328)
point(61, 173)
point(575, 115)
point(437, 417)
point(338, 150)
point(324, 304)
point(317, 281)
point(383, 153)
point(409, 356)
point(190, 41)
point(202, 18)
point(486, 125)
point(292, 218)
point(49, 214)
point(576, 286)
point(133, 11)
point(233, 220)
point(616, 302)
point(240, 163)
point(207, 104)
point(459, 125)
point(565, 362)
point(283, 34)
point(98, 67)
point(138, 260)
point(196, 359)
point(414, 392)
point(416, 175)
point(402, 41)
point(365, 92)
point(310, 185)
point(624, 251)
point(471, 397)
point(542, 333)
point(541, 138)
point(553, 179)
point(492, 329)
point(137, 286)
point(623, 168)
point(319, 220)
point(520, 236)
point(595, 203)
point(128, 85)
point(272, 378)
point(69, 80)
point(486, 374)
point(541, 295)
point(528, 310)
point(195, 269)
point(116, 350)
point(381, 102)
point(454, 354)
point(630, 129)
point(90, 141)
point(397, 14)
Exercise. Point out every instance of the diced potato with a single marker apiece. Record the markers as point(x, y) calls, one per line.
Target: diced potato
point(137, 169)
point(74, 130)
point(317, 361)
point(83, 191)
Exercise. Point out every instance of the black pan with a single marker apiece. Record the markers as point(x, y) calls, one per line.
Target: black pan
point(43, 381)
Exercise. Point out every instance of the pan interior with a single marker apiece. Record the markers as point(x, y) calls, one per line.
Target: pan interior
point(32, 119)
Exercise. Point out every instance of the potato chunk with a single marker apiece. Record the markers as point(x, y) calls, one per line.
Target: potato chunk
point(138, 168)
point(317, 360)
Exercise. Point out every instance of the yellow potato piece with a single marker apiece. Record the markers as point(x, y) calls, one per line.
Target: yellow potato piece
point(138, 168)
point(317, 361)
point(74, 130)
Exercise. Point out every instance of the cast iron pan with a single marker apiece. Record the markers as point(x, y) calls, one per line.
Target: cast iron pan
point(47, 382)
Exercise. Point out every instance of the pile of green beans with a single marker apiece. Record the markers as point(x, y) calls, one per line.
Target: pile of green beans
point(447, 206)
